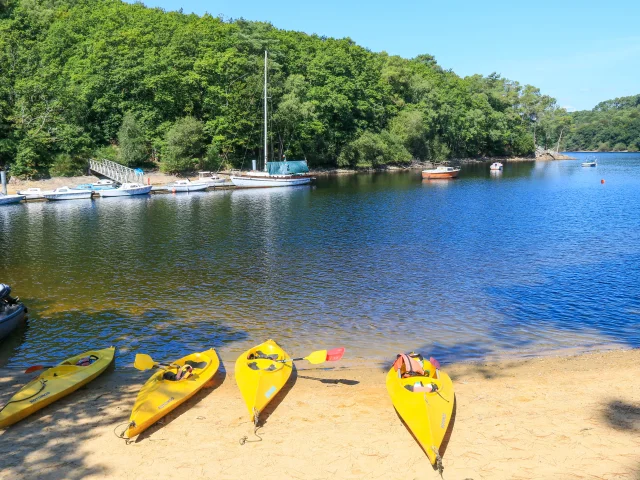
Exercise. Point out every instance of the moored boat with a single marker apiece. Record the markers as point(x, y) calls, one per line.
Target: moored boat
point(255, 179)
point(170, 386)
point(31, 193)
point(441, 172)
point(260, 374)
point(55, 383)
point(186, 186)
point(66, 193)
point(210, 179)
point(8, 199)
point(593, 163)
point(97, 186)
point(275, 174)
point(496, 166)
point(423, 397)
point(12, 311)
point(126, 189)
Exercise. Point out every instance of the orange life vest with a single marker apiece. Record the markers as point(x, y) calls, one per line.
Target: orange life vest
point(408, 366)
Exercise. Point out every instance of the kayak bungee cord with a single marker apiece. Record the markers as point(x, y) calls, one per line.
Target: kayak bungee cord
point(43, 384)
point(256, 427)
point(121, 435)
point(439, 464)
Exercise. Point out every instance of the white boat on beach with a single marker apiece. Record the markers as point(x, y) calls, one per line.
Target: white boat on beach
point(31, 193)
point(66, 193)
point(8, 199)
point(186, 186)
point(210, 179)
point(126, 189)
point(275, 174)
point(496, 166)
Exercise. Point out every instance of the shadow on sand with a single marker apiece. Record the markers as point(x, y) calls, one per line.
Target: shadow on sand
point(623, 416)
point(48, 443)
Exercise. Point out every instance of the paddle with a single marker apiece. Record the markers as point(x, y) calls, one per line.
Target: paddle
point(145, 362)
point(436, 364)
point(319, 356)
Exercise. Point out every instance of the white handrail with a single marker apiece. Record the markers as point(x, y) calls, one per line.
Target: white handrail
point(115, 171)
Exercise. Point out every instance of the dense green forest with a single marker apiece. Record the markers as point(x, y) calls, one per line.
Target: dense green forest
point(613, 125)
point(103, 78)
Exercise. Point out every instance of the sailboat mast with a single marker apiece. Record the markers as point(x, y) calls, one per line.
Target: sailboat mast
point(266, 146)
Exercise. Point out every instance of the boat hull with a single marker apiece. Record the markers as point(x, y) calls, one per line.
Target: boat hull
point(79, 195)
point(243, 181)
point(8, 323)
point(427, 415)
point(260, 380)
point(440, 175)
point(9, 199)
point(158, 396)
point(119, 192)
point(187, 188)
point(54, 384)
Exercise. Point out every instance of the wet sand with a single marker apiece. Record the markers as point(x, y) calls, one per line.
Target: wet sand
point(574, 417)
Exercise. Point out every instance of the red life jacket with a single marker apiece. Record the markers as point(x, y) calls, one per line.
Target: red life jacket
point(412, 366)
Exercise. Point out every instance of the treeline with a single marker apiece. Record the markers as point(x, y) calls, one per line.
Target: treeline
point(613, 125)
point(103, 78)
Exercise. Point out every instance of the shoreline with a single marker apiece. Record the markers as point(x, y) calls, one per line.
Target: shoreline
point(158, 178)
point(551, 417)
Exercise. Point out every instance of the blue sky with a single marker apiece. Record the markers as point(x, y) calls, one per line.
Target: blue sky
point(578, 52)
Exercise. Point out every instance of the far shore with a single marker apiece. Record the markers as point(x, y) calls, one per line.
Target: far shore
point(159, 178)
point(560, 417)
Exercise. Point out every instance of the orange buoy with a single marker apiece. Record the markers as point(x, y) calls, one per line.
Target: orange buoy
point(602, 181)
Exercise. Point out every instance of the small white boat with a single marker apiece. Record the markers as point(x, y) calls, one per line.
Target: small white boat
point(104, 183)
point(186, 186)
point(66, 193)
point(590, 164)
point(8, 199)
point(31, 193)
point(126, 189)
point(496, 166)
point(210, 179)
point(94, 187)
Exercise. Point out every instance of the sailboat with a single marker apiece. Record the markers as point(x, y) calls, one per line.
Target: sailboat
point(275, 174)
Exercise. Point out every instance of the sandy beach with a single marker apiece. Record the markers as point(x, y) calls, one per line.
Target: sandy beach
point(574, 417)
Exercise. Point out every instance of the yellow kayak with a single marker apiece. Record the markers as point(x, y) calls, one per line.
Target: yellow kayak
point(55, 383)
point(162, 392)
point(425, 403)
point(260, 376)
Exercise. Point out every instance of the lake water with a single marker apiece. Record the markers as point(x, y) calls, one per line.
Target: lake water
point(539, 258)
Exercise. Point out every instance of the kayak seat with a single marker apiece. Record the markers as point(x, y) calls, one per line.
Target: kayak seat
point(259, 354)
point(200, 365)
point(254, 366)
point(181, 374)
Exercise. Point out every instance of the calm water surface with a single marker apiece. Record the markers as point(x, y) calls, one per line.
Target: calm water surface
point(539, 258)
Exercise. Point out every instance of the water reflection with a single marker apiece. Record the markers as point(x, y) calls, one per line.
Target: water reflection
point(541, 260)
